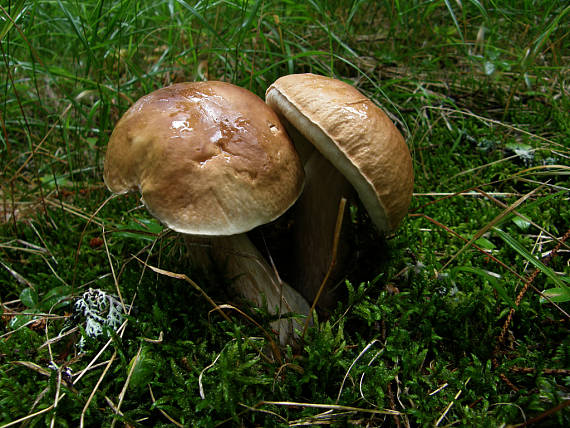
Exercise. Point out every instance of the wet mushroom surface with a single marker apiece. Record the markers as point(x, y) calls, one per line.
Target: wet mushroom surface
point(349, 147)
point(212, 161)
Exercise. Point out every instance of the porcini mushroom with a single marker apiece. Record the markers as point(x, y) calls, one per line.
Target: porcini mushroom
point(212, 161)
point(346, 142)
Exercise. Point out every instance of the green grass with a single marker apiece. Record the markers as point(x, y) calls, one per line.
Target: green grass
point(430, 326)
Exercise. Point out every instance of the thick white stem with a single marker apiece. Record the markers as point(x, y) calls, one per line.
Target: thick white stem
point(315, 214)
point(252, 278)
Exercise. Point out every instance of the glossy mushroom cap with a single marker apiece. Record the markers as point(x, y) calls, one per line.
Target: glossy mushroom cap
point(355, 136)
point(209, 158)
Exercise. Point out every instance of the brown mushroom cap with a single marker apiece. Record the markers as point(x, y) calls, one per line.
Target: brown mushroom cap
point(355, 135)
point(209, 158)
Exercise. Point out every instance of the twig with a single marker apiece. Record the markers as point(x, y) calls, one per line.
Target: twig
point(545, 371)
point(89, 220)
point(75, 211)
point(113, 406)
point(166, 415)
point(189, 281)
point(547, 413)
point(521, 216)
point(126, 385)
point(451, 403)
point(272, 344)
point(466, 193)
point(361, 382)
point(496, 260)
point(17, 276)
point(120, 331)
point(496, 122)
point(115, 280)
point(58, 337)
point(351, 365)
point(389, 387)
point(57, 397)
point(30, 416)
point(269, 412)
point(107, 367)
point(328, 406)
point(528, 283)
point(209, 366)
point(215, 306)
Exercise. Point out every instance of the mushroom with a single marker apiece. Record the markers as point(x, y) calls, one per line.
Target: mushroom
point(346, 144)
point(212, 161)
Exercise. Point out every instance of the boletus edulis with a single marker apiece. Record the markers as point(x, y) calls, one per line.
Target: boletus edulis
point(347, 145)
point(212, 161)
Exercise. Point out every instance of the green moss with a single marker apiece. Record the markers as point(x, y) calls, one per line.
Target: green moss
point(477, 90)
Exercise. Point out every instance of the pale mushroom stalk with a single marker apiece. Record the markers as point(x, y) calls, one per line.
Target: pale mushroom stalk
point(353, 137)
point(212, 161)
point(315, 215)
point(315, 212)
point(252, 278)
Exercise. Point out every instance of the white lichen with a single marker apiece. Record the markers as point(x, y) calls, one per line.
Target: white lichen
point(99, 312)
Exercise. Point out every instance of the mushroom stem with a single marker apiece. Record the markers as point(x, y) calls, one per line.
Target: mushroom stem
point(315, 217)
point(252, 278)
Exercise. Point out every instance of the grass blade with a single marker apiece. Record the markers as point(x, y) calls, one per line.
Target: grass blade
point(450, 9)
point(492, 224)
point(515, 245)
point(17, 11)
point(556, 295)
point(492, 278)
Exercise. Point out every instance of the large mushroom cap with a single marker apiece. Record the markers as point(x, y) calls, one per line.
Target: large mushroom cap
point(355, 135)
point(209, 158)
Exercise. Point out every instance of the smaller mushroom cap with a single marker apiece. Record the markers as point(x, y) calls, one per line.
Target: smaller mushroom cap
point(210, 158)
point(355, 135)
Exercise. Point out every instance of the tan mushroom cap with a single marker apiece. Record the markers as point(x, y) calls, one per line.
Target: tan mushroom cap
point(209, 158)
point(355, 135)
